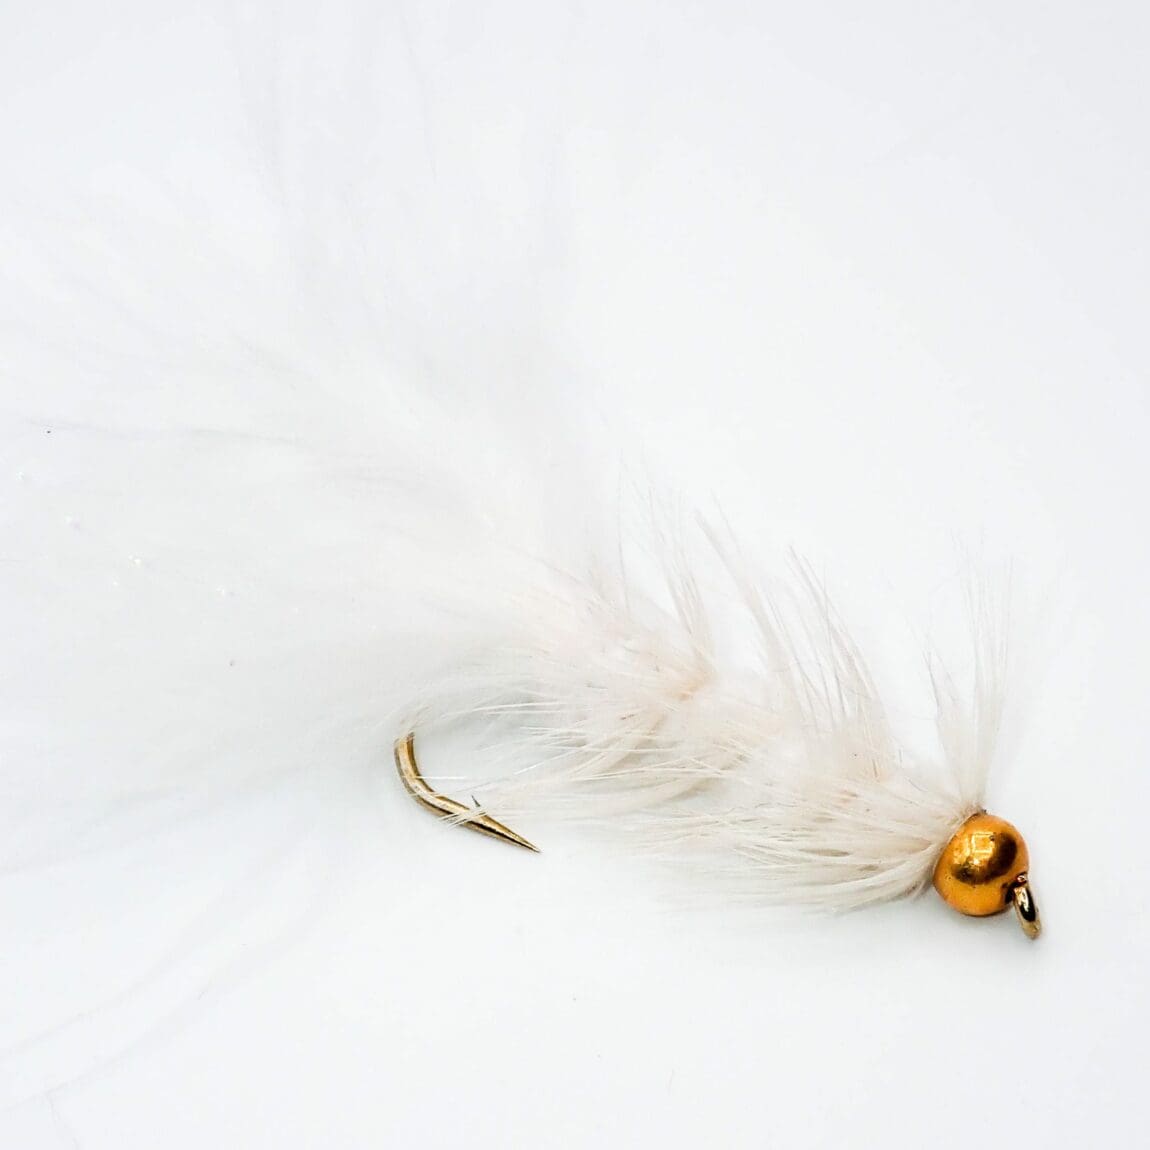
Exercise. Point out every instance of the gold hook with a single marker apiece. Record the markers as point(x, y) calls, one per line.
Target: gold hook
point(423, 793)
point(1024, 907)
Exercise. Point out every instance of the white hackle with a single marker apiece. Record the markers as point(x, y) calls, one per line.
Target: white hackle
point(779, 777)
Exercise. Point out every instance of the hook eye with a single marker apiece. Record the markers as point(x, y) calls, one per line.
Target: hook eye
point(1025, 908)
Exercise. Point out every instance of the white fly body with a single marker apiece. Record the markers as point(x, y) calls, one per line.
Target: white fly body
point(782, 780)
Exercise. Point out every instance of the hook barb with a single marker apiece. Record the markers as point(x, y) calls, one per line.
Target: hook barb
point(421, 790)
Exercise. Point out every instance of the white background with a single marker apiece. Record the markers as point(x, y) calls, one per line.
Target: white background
point(873, 277)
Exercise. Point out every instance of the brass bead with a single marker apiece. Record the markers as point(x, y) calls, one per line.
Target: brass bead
point(983, 870)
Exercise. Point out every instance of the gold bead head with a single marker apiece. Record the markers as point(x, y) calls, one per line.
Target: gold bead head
point(983, 870)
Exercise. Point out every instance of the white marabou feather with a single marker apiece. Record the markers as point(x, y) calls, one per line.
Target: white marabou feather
point(779, 778)
point(286, 412)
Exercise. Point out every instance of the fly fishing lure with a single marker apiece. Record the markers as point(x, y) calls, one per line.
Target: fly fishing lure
point(786, 782)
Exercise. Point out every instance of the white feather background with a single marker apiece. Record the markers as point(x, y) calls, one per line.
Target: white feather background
point(473, 368)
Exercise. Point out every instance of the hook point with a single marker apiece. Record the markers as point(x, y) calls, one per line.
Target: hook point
point(448, 808)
